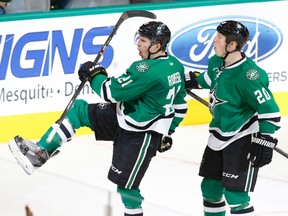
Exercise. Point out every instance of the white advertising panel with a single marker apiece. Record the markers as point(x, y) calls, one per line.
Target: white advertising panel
point(39, 58)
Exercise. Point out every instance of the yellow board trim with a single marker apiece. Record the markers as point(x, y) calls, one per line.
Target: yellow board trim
point(33, 126)
point(30, 126)
point(199, 114)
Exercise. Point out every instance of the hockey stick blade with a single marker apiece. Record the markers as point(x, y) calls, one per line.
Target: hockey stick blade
point(139, 13)
point(207, 104)
point(125, 15)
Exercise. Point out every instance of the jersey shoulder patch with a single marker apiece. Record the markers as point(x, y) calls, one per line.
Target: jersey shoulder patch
point(252, 74)
point(142, 67)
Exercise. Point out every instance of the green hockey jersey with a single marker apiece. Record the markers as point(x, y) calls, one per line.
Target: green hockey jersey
point(150, 96)
point(241, 102)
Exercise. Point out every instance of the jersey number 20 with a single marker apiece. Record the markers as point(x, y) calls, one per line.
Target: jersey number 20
point(262, 96)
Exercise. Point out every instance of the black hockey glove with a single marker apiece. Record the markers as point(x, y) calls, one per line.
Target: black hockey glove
point(89, 70)
point(165, 144)
point(261, 151)
point(191, 81)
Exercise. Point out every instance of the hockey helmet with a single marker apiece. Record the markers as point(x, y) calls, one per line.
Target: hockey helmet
point(156, 32)
point(234, 31)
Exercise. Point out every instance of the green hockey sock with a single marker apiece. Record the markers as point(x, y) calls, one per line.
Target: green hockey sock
point(64, 134)
point(78, 116)
point(213, 202)
point(131, 198)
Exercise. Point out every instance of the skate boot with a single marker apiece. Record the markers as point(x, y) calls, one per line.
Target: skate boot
point(28, 154)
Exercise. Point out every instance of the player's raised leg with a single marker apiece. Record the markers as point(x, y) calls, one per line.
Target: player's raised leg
point(32, 155)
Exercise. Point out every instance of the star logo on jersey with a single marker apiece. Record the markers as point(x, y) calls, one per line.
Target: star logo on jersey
point(142, 67)
point(252, 74)
point(214, 100)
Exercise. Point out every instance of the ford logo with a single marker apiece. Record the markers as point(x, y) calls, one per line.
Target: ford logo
point(193, 45)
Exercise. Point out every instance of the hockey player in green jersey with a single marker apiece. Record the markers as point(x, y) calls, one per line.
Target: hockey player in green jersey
point(244, 118)
point(144, 107)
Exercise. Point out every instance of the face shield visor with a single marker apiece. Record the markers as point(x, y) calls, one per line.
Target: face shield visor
point(136, 38)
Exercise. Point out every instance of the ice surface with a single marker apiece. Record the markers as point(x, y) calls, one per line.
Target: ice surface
point(75, 182)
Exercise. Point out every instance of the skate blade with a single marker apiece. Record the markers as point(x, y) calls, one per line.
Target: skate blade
point(22, 160)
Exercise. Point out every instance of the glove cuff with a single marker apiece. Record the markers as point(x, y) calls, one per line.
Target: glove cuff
point(264, 140)
point(102, 71)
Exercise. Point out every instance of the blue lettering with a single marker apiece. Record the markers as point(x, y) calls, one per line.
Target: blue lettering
point(58, 42)
point(89, 48)
point(5, 55)
point(36, 56)
point(33, 55)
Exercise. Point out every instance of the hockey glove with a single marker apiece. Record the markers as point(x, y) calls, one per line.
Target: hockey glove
point(166, 144)
point(191, 80)
point(89, 70)
point(261, 151)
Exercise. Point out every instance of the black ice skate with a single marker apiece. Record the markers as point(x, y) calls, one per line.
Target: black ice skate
point(28, 154)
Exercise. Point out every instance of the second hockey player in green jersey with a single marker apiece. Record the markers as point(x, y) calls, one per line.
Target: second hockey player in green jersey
point(239, 99)
point(244, 118)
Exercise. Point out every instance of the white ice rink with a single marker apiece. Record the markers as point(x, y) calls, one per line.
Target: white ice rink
point(75, 182)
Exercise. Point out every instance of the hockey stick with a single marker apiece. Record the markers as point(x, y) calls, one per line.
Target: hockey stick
point(123, 17)
point(198, 98)
point(204, 102)
point(280, 151)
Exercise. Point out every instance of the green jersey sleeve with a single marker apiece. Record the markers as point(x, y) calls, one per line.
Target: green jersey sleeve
point(254, 88)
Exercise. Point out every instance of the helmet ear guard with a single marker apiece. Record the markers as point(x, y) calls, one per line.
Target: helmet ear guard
point(234, 31)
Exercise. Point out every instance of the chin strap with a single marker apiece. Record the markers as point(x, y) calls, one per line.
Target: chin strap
point(227, 52)
point(151, 52)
